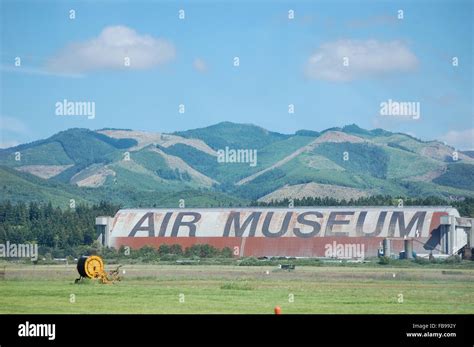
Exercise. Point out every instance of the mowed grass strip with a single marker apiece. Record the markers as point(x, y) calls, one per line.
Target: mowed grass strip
point(208, 289)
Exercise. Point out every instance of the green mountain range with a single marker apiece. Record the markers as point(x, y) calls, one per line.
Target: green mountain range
point(213, 166)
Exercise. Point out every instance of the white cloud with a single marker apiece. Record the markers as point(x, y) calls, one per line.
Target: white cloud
point(366, 59)
point(462, 139)
point(200, 65)
point(13, 125)
point(11, 131)
point(109, 51)
point(37, 71)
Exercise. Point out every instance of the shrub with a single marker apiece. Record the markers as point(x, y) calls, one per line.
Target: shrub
point(250, 261)
point(163, 250)
point(226, 252)
point(169, 257)
point(148, 253)
point(108, 252)
point(201, 251)
point(454, 259)
point(422, 261)
point(176, 249)
point(385, 260)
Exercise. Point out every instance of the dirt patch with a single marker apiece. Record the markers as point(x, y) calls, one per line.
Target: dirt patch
point(430, 175)
point(95, 178)
point(312, 189)
point(43, 171)
point(338, 136)
point(145, 139)
point(439, 151)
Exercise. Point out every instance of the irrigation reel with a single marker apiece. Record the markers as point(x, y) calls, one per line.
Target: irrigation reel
point(92, 267)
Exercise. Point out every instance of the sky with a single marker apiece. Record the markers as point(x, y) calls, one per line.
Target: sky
point(334, 61)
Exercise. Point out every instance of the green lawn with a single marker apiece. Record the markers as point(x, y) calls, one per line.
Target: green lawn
point(238, 289)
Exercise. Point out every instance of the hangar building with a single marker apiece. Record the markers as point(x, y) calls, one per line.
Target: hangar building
point(292, 232)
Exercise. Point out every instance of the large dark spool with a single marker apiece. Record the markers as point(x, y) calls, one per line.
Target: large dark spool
point(81, 266)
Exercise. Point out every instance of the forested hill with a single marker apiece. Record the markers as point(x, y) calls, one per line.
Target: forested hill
point(229, 164)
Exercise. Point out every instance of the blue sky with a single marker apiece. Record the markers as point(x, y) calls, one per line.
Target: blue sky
point(282, 61)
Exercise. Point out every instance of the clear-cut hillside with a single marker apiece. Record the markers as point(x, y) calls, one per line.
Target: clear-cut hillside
point(346, 162)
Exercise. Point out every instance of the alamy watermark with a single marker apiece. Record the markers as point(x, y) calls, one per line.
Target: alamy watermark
point(75, 108)
point(400, 108)
point(37, 330)
point(229, 155)
point(20, 250)
point(344, 251)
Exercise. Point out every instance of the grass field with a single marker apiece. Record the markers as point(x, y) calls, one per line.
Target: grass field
point(239, 289)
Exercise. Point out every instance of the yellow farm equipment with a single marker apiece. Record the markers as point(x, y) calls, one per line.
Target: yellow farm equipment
point(92, 266)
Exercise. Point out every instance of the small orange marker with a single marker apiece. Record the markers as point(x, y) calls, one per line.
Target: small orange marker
point(277, 310)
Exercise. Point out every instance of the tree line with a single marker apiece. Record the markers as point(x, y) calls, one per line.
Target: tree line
point(53, 229)
point(465, 206)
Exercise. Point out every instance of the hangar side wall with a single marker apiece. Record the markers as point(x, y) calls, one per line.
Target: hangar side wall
point(301, 232)
point(283, 246)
